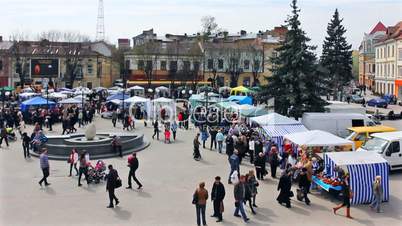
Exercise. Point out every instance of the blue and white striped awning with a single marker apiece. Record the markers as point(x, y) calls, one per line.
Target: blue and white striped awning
point(362, 167)
point(281, 130)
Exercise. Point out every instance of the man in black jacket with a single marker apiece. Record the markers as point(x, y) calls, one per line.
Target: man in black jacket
point(133, 164)
point(229, 145)
point(213, 132)
point(217, 196)
point(111, 183)
point(156, 129)
point(304, 185)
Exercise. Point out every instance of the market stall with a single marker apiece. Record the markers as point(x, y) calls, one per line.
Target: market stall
point(70, 101)
point(141, 101)
point(136, 91)
point(163, 107)
point(118, 96)
point(276, 126)
point(318, 138)
point(362, 168)
point(36, 102)
point(240, 90)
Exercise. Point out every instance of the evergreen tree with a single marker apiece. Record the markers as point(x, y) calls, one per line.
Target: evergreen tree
point(337, 56)
point(294, 82)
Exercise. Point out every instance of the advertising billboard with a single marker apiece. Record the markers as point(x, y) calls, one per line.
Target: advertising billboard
point(44, 68)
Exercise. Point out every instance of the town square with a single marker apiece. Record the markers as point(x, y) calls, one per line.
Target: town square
point(202, 126)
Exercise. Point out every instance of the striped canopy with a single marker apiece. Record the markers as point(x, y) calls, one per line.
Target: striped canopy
point(362, 167)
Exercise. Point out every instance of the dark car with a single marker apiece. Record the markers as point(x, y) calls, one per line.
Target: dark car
point(377, 102)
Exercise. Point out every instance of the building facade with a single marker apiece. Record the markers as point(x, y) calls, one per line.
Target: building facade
point(388, 61)
point(221, 59)
point(41, 62)
point(367, 66)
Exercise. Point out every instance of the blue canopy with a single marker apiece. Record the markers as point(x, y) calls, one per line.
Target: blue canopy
point(36, 101)
point(118, 96)
point(241, 99)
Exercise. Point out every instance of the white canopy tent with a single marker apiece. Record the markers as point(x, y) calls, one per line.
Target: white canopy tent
point(318, 138)
point(71, 101)
point(140, 100)
point(163, 103)
point(273, 119)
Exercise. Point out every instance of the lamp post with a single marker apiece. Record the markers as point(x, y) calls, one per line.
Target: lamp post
point(125, 83)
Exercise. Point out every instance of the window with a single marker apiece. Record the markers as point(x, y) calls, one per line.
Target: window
point(210, 64)
point(394, 147)
point(274, 54)
point(388, 52)
point(173, 65)
point(163, 65)
point(256, 65)
point(400, 71)
point(196, 66)
point(90, 68)
point(186, 65)
point(392, 51)
point(149, 65)
point(361, 137)
point(246, 64)
point(392, 69)
point(400, 54)
point(373, 68)
point(220, 64)
point(1, 65)
point(246, 81)
point(140, 65)
point(357, 122)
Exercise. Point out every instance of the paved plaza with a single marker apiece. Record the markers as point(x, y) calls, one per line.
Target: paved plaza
point(169, 175)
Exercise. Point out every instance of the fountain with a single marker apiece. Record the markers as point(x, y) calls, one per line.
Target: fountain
point(98, 145)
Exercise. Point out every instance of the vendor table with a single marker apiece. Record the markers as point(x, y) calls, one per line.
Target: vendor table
point(326, 187)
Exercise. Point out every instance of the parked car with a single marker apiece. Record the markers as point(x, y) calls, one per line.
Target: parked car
point(106, 114)
point(356, 99)
point(118, 82)
point(377, 102)
point(391, 99)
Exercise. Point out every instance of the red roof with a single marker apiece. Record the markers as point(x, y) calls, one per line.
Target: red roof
point(379, 27)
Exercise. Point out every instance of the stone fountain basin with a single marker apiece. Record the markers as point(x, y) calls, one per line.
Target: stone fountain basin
point(60, 146)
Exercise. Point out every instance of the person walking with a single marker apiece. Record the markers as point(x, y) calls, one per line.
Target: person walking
point(116, 145)
point(200, 197)
point(251, 148)
point(219, 139)
point(196, 144)
point(3, 136)
point(285, 185)
point(252, 185)
point(73, 159)
point(304, 185)
point(133, 165)
point(259, 164)
point(111, 184)
point(234, 162)
point(114, 118)
point(204, 137)
point(217, 196)
point(229, 145)
point(213, 132)
point(273, 161)
point(173, 127)
point(377, 191)
point(156, 129)
point(347, 195)
point(26, 140)
point(83, 169)
point(44, 165)
point(239, 196)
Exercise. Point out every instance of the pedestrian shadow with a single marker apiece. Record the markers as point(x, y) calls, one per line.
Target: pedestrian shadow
point(299, 210)
point(143, 194)
point(121, 213)
point(49, 190)
point(264, 214)
point(90, 188)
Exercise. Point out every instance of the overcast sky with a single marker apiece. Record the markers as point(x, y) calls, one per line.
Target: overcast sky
point(127, 18)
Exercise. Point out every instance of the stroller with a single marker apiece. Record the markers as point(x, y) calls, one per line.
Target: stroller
point(97, 173)
point(10, 134)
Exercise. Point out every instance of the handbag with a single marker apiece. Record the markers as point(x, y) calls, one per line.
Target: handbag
point(69, 160)
point(299, 194)
point(291, 194)
point(195, 198)
point(118, 183)
point(221, 208)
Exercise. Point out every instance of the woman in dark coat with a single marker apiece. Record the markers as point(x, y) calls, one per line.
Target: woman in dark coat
point(260, 165)
point(273, 161)
point(229, 145)
point(346, 193)
point(285, 184)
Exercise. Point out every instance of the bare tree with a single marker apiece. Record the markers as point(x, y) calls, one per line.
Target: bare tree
point(256, 56)
point(235, 69)
point(148, 53)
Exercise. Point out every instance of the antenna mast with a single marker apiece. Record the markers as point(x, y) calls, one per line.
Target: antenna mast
point(100, 24)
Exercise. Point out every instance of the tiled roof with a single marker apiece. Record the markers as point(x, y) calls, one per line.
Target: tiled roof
point(379, 27)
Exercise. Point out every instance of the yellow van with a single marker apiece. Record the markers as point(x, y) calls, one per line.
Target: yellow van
point(360, 134)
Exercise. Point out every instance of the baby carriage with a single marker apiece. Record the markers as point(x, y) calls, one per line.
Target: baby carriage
point(97, 173)
point(10, 134)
